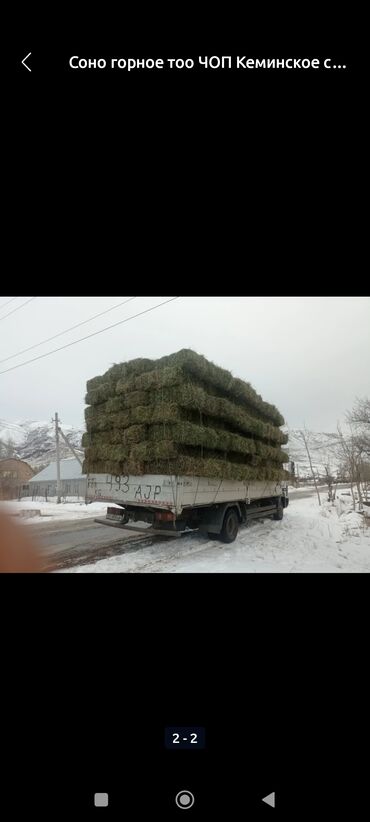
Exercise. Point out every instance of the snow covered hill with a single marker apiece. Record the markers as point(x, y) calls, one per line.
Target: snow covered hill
point(34, 441)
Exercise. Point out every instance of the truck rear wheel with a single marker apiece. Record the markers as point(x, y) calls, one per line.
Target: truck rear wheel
point(230, 526)
point(279, 511)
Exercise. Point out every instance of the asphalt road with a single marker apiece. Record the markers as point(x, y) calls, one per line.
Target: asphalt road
point(58, 536)
point(68, 543)
point(323, 489)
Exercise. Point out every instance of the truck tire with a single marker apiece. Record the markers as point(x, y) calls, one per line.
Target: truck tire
point(279, 511)
point(230, 526)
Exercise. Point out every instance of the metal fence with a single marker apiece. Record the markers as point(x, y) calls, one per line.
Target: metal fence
point(45, 490)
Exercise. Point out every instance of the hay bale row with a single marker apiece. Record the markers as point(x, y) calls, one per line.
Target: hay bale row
point(150, 452)
point(186, 433)
point(152, 406)
point(184, 364)
point(190, 434)
point(149, 415)
point(187, 466)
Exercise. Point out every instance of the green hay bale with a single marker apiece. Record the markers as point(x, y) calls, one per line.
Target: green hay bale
point(116, 372)
point(159, 413)
point(106, 452)
point(86, 439)
point(106, 422)
point(140, 415)
point(126, 369)
point(116, 437)
point(196, 435)
point(119, 371)
point(119, 445)
point(95, 382)
point(103, 423)
point(122, 419)
point(99, 420)
point(160, 378)
point(135, 433)
point(114, 405)
point(127, 399)
point(190, 434)
point(135, 398)
point(107, 467)
point(149, 451)
point(100, 394)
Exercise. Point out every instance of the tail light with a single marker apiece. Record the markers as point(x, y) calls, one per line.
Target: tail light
point(165, 516)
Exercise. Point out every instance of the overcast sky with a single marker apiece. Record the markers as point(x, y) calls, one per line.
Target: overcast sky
point(310, 356)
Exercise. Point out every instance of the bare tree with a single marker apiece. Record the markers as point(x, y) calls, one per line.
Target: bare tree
point(330, 481)
point(360, 414)
point(9, 448)
point(351, 456)
point(359, 421)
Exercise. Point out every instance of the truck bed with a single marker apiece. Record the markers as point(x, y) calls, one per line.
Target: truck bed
point(174, 493)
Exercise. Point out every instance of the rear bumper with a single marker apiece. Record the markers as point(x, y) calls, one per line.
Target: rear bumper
point(156, 532)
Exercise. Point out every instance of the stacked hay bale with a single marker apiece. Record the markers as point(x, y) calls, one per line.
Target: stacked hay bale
point(180, 414)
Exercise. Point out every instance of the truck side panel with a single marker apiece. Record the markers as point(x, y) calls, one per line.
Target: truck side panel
point(174, 493)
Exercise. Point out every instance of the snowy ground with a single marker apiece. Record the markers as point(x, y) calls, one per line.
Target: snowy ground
point(293, 488)
point(51, 511)
point(310, 539)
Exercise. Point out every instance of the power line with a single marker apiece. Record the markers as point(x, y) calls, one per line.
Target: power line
point(9, 301)
point(94, 334)
point(72, 328)
point(17, 309)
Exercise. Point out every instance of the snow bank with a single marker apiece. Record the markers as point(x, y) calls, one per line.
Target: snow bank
point(51, 511)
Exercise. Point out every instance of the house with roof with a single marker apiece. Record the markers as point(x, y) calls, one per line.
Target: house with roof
point(44, 484)
point(13, 474)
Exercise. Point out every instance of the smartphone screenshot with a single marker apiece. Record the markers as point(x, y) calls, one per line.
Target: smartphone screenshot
point(184, 420)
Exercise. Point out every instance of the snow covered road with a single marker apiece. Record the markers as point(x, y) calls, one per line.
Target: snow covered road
point(310, 539)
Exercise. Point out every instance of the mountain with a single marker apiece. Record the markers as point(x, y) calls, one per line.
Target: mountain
point(34, 441)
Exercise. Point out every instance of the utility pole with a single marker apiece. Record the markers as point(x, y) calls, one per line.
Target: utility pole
point(70, 446)
point(58, 457)
point(304, 437)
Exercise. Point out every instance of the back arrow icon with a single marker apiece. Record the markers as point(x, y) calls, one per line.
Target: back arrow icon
point(24, 61)
point(270, 799)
